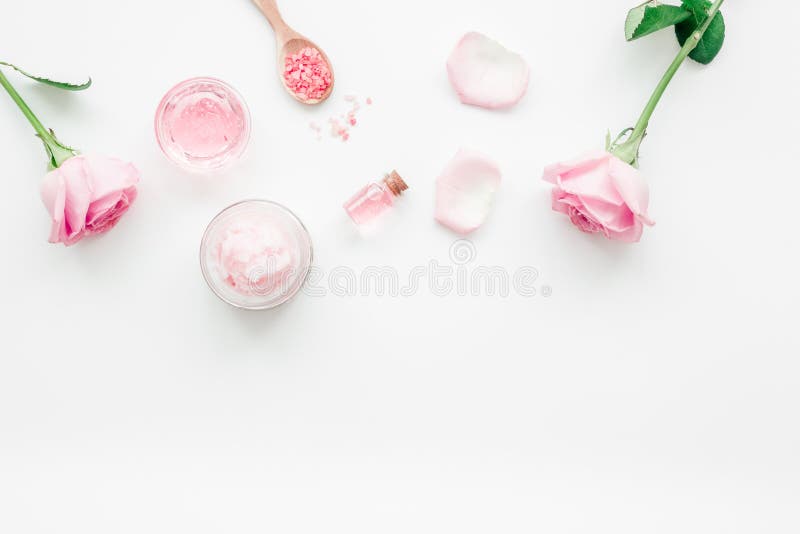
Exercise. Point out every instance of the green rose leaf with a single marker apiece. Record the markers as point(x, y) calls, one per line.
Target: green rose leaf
point(60, 85)
point(651, 17)
point(711, 43)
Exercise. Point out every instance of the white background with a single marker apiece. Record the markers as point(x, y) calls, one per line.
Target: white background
point(655, 391)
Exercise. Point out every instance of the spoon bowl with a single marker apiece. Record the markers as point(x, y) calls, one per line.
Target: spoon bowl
point(293, 46)
point(289, 42)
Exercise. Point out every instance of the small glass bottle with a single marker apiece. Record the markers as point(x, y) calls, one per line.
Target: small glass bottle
point(375, 198)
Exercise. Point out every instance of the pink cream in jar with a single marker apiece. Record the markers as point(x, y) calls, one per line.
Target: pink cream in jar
point(256, 255)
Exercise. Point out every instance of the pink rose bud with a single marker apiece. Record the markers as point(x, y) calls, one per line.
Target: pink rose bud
point(601, 194)
point(87, 195)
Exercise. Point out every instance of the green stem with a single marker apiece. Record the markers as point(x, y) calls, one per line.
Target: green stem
point(629, 150)
point(37, 125)
point(57, 152)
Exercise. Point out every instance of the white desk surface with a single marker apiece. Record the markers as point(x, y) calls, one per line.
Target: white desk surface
point(655, 390)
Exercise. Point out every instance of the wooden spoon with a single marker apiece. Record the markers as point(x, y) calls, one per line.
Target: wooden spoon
point(290, 42)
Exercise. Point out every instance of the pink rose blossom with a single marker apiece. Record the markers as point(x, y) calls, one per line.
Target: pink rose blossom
point(601, 194)
point(87, 195)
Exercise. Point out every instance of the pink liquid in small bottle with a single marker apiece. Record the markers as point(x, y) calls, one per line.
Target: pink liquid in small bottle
point(375, 199)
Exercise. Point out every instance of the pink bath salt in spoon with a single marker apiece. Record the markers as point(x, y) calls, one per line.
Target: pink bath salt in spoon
point(304, 69)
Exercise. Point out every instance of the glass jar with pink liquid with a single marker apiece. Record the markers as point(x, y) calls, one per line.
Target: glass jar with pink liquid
point(202, 124)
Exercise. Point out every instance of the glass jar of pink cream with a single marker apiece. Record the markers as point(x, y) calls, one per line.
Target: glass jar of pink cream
point(256, 254)
point(202, 124)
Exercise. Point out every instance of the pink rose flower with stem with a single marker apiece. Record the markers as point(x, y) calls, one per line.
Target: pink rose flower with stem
point(85, 195)
point(604, 193)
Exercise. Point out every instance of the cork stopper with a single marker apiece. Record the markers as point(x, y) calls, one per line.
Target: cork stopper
point(395, 184)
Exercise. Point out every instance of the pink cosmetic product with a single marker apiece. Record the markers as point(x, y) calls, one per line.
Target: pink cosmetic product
point(202, 124)
point(307, 74)
point(304, 68)
point(256, 255)
point(375, 199)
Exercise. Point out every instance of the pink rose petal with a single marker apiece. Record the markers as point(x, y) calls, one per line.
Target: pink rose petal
point(465, 191)
point(632, 188)
point(484, 73)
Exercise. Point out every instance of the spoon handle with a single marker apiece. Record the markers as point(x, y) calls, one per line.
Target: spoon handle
point(270, 10)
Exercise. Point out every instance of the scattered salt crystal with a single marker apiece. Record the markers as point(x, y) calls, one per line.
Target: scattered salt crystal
point(341, 124)
point(317, 129)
